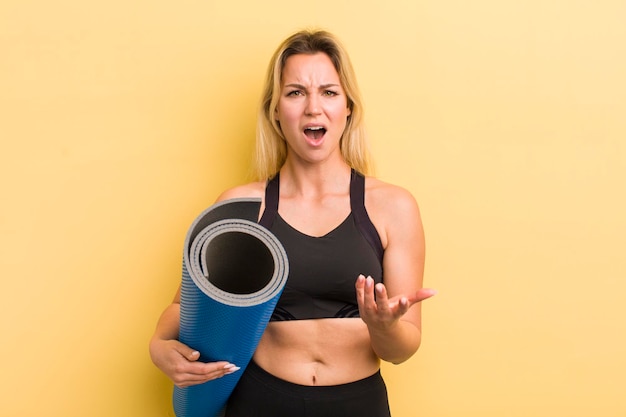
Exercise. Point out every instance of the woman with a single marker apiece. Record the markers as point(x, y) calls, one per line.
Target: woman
point(339, 315)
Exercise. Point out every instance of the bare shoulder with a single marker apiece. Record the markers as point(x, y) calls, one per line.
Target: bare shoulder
point(393, 210)
point(388, 200)
point(250, 190)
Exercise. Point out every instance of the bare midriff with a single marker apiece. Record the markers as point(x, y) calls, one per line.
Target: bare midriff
point(317, 352)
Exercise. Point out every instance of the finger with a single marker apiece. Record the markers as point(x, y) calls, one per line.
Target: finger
point(404, 304)
point(198, 373)
point(395, 307)
point(211, 369)
point(187, 352)
point(382, 299)
point(187, 380)
point(421, 295)
point(369, 299)
point(360, 290)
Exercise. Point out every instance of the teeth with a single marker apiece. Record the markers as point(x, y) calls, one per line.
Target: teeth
point(315, 128)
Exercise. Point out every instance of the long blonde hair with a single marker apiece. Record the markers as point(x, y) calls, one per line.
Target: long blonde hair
point(271, 150)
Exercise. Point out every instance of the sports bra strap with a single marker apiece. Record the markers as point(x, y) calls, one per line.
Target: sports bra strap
point(272, 191)
point(363, 222)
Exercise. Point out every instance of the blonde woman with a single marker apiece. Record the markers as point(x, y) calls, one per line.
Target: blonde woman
point(355, 246)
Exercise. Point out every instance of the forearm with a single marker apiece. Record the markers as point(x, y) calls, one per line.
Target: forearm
point(396, 343)
point(168, 325)
point(167, 329)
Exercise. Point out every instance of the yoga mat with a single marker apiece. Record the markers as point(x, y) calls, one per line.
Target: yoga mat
point(234, 270)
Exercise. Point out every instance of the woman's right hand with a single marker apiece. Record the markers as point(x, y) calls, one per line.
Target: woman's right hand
point(180, 363)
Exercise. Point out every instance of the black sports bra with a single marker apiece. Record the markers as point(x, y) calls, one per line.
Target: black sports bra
point(323, 270)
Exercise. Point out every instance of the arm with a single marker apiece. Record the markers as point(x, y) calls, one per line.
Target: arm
point(392, 311)
point(178, 361)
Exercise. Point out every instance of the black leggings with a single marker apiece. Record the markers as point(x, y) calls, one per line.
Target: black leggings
point(261, 394)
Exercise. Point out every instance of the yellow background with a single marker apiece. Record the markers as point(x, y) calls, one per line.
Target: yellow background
point(120, 121)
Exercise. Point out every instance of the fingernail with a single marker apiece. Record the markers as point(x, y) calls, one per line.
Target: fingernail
point(229, 366)
point(233, 369)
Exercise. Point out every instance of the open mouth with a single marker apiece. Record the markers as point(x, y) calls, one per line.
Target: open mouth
point(316, 132)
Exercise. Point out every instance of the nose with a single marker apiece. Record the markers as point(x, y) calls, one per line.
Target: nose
point(313, 105)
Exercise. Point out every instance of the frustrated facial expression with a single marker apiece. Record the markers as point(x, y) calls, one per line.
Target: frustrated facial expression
point(313, 107)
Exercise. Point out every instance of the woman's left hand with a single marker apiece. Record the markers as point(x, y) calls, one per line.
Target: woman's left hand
point(379, 311)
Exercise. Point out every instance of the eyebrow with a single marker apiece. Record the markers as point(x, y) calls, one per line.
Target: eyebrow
point(322, 87)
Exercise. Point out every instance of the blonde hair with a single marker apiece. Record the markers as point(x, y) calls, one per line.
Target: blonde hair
point(271, 150)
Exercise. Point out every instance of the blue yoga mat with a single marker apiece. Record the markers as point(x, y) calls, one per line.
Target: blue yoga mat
point(234, 270)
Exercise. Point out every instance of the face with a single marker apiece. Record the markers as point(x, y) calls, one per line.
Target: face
point(312, 109)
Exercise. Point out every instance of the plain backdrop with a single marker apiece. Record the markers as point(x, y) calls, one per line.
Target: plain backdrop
point(120, 121)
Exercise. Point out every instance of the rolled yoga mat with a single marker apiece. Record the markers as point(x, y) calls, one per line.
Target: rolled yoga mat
point(234, 270)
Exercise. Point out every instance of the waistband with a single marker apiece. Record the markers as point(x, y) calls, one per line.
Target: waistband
point(373, 382)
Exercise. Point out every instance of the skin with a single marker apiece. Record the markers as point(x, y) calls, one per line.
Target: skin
point(315, 179)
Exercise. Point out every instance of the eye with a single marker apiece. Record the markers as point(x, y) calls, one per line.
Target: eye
point(330, 93)
point(294, 93)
